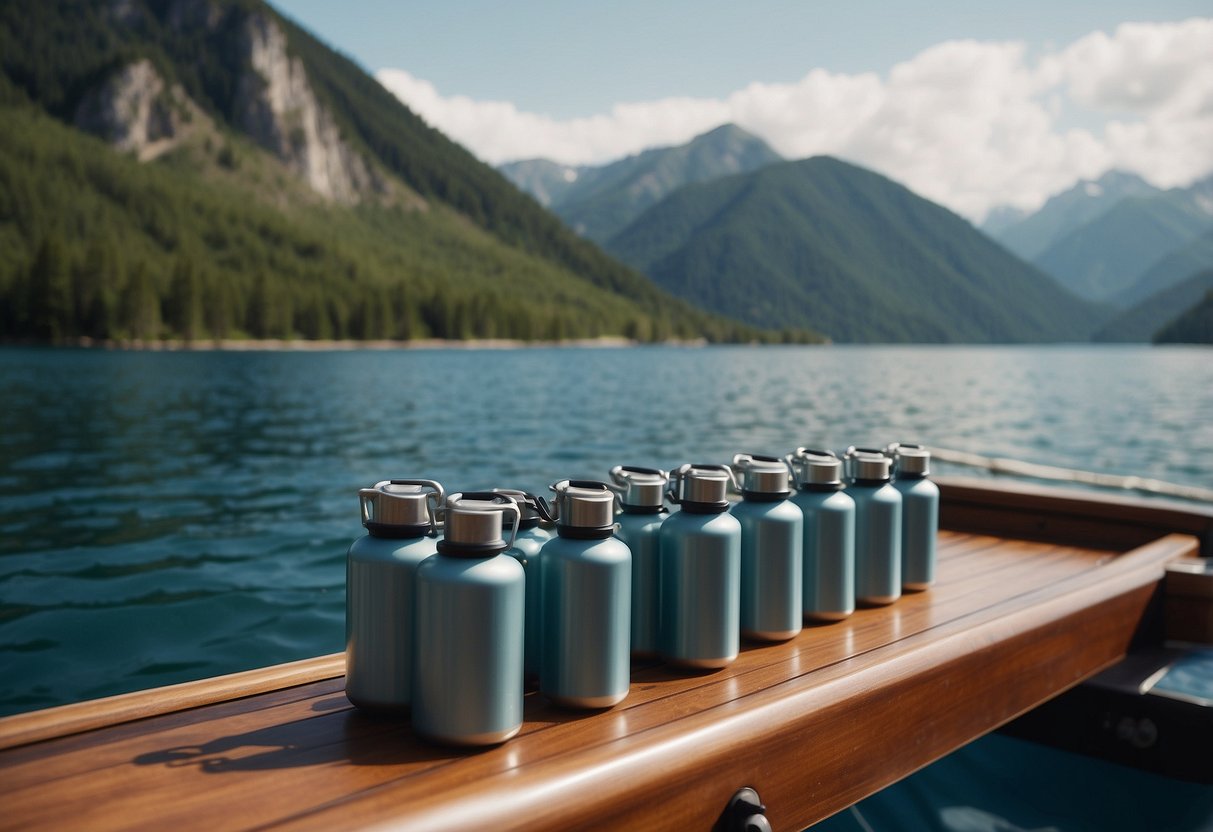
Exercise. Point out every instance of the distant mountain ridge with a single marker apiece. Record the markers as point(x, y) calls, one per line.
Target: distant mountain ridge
point(1116, 239)
point(1064, 213)
point(1195, 256)
point(599, 201)
point(1106, 256)
point(1193, 326)
point(545, 180)
point(1140, 322)
point(852, 254)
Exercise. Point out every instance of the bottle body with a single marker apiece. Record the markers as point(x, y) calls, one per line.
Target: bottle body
point(772, 554)
point(699, 619)
point(877, 542)
point(525, 550)
point(919, 529)
point(379, 619)
point(828, 588)
point(641, 533)
point(467, 669)
point(587, 601)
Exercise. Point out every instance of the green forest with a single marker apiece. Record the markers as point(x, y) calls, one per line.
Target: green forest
point(97, 245)
point(217, 239)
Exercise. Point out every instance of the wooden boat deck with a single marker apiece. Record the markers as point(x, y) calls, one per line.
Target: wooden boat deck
point(814, 724)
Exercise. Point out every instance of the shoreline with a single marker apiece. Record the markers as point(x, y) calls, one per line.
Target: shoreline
point(302, 345)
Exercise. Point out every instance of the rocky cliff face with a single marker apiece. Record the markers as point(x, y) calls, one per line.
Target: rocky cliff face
point(134, 110)
point(274, 103)
point(276, 106)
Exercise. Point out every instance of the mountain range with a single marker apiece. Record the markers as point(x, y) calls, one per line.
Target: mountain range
point(1118, 239)
point(1194, 326)
point(1031, 234)
point(824, 244)
point(204, 168)
point(600, 201)
point(1109, 255)
point(1142, 321)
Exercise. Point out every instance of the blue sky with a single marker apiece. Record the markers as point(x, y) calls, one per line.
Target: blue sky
point(577, 58)
point(1033, 93)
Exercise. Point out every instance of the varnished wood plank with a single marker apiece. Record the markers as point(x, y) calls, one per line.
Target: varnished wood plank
point(72, 745)
point(228, 746)
point(85, 716)
point(272, 781)
point(267, 761)
point(997, 555)
point(1037, 512)
point(800, 741)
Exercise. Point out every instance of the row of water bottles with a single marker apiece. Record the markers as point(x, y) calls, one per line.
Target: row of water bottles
point(453, 600)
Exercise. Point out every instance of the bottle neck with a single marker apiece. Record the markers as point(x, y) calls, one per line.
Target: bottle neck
point(764, 496)
point(390, 531)
point(690, 507)
point(584, 532)
point(821, 487)
point(631, 509)
point(471, 551)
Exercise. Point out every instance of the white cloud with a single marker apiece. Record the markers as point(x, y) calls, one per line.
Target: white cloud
point(497, 131)
point(969, 124)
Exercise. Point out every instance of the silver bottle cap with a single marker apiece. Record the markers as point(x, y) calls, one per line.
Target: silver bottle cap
point(475, 520)
point(640, 487)
point(762, 474)
point(913, 461)
point(584, 504)
point(812, 467)
point(851, 454)
point(867, 466)
point(703, 484)
point(399, 503)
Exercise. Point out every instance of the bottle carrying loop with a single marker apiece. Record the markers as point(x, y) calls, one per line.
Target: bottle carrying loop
point(367, 497)
point(619, 474)
point(763, 471)
point(800, 462)
point(646, 486)
point(855, 454)
point(676, 492)
point(562, 486)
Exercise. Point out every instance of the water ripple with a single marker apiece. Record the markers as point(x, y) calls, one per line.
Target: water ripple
point(174, 516)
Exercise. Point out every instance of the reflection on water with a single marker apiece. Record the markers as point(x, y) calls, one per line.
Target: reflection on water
point(176, 515)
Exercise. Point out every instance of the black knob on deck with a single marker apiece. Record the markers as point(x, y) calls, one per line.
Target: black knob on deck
point(745, 813)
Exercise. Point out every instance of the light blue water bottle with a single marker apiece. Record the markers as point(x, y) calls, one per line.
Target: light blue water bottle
point(586, 585)
point(919, 515)
point(772, 548)
point(699, 621)
point(379, 574)
point(471, 600)
point(527, 542)
point(877, 529)
point(642, 499)
point(829, 535)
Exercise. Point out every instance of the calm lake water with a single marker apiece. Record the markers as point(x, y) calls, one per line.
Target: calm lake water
point(172, 516)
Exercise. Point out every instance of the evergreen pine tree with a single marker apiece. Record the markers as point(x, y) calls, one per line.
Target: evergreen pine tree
point(140, 307)
point(183, 306)
point(50, 304)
